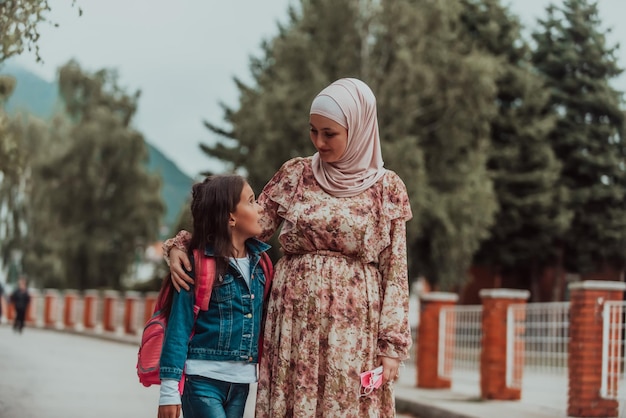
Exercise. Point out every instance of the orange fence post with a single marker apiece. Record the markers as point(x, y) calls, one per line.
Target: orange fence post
point(130, 312)
point(51, 297)
point(90, 301)
point(427, 347)
point(110, 304)
point(32, 312)
point(585, 348)
point(149, 302)
point(69, 308)
point(493, 356)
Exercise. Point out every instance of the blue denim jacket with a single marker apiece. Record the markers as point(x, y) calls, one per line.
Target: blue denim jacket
point(228, 331)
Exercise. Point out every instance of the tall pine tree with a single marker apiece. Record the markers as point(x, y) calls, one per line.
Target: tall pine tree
point(532, 216)
point(572, 54)
point(436, 97)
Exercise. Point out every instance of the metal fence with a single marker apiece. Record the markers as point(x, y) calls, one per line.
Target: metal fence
point(612, 386)
point(460, 341)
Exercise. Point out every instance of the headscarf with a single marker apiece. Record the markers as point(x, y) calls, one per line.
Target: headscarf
point(361, 165)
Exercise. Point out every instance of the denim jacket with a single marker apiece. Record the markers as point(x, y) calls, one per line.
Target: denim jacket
point(228, 331)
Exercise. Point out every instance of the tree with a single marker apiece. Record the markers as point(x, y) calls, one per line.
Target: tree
point(19, 26)
point(270, 125)
point(13, 174)
point(433, 94)
point(436, 95)
point(531, 218)
point(577, 65)
point(98, 189)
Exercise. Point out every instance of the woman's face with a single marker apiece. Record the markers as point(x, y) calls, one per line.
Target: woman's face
point(329, 138)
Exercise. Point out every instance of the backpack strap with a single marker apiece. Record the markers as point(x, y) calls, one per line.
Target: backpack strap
point(205, 277)
point(268, 271)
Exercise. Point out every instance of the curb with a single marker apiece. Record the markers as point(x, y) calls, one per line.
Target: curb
point(425, 411)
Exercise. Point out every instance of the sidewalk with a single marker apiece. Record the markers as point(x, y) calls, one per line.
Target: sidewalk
point(463, 401)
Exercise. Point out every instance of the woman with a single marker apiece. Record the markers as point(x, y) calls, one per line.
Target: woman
point(339, 302)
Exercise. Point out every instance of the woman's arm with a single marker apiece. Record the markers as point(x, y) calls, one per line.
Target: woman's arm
point(394, 332)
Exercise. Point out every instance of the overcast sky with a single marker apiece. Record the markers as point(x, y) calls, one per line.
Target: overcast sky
point(183, 56)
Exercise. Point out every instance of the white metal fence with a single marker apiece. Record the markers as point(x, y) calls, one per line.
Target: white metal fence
point(460, 335)
point(612, 385)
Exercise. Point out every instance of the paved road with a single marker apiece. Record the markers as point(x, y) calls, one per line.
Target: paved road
point(46, 374)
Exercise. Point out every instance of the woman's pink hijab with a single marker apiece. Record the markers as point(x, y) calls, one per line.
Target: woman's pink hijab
point(361, 165)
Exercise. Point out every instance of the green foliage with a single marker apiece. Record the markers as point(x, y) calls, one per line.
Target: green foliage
point(434, 94)
point(588, 138)
point(100, 201)
point(37, 97)
point(19, 22)
point(531, 218)
point(18, 26)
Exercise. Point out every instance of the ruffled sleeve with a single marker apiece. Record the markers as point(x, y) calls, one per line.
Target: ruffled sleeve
point(279, 194)
point(396, 203)
point(394, 338)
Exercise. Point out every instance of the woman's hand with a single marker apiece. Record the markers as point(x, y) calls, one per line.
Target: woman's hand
point(178, 260)
point(391, 368)
point(169, 411)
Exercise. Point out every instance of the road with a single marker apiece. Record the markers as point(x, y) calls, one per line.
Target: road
point(47, 374)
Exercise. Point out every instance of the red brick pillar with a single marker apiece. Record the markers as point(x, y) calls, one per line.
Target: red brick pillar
point(585, 347)
point(110, 304)
point(131, 300)
point(148, 305)
point(69, 308)
point(10, 312)
point(493, 356)
point(427, 347)
point(90, 302)
point(32, 311)
point(51, 298)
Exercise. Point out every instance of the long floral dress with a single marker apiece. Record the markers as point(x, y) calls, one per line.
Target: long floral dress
point(339, 297)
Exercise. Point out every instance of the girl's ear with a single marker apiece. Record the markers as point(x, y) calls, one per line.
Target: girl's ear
point(231, 221)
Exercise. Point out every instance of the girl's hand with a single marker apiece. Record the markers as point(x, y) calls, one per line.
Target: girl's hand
point(391, 368)
point(178, 260)
point(169, 411)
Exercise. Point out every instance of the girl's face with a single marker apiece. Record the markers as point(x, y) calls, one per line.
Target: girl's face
point(245, 219)
point(329, 138)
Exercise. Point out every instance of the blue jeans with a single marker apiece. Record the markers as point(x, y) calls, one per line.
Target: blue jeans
point(210, 398)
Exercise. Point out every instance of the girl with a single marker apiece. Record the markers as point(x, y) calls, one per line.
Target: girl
point(220, 359)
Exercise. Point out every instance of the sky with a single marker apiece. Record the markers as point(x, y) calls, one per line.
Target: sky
point(184, 55)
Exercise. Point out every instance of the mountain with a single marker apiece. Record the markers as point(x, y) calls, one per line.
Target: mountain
point(39, 97)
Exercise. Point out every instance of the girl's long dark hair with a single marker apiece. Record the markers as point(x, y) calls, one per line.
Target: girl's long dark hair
point(212, 202)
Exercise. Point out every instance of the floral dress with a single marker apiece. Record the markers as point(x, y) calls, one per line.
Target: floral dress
point(339, 297)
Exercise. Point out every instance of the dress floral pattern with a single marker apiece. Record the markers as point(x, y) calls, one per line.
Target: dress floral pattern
point(339, 297)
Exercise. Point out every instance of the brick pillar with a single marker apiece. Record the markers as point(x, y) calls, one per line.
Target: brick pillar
point(31, 312)
point(130, 312)
point(69, 308)
point(585, 347)
point(493, 356)
point(108, 316)
point(148, 305)
point(427, 347)
point(90, 300)
point(51, 298)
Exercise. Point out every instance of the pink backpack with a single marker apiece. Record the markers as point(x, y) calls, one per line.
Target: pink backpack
point(149, 354)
